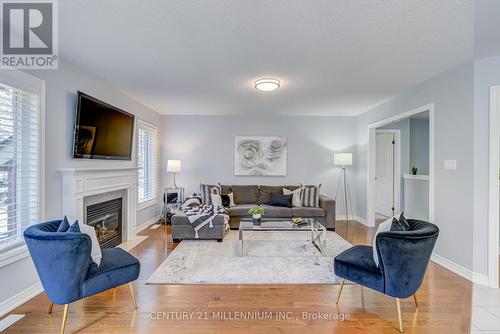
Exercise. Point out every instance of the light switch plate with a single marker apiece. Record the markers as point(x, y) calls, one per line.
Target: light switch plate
point(450, 164)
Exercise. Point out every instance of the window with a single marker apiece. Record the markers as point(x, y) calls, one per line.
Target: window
point(20, 147)
point(147, 162)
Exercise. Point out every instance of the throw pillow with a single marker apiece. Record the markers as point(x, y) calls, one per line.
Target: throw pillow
point(95, 253)
point(296, 196)
point(206, 191)
point(74, 228)
point(399, 224)
point(281, 200)
point(216, 200)
point(222, 200)
point(383, 227)
point(310, 196)
point(231, 199)
point(64, 226)
point(402, 220)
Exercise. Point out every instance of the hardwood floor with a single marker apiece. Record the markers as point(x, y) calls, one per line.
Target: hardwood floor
point(445, 304)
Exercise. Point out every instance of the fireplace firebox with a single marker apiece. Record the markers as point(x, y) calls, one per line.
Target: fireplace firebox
point(106, 218)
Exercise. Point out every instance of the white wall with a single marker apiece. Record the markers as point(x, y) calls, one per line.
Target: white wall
point(61, 87)
point(205, 145)
point(452, 94)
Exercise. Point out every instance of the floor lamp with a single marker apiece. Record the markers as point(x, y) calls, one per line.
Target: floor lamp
point(343, 160)
point(174, 166)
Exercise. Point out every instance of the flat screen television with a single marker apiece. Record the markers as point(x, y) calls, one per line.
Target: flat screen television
point(102, 131)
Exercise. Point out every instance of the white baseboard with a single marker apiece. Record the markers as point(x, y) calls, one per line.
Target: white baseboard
point(481, 279)
point(452, 266)
point(148, 223)
point(356, 218)
point(463, 272)
point(20, 298)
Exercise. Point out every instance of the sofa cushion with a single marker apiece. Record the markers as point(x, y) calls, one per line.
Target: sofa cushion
point(276, 211)
point(356, 265)
point(245, 194)
point(306, 212)
point(117, 267)
point(265, 193)
point(240, 210)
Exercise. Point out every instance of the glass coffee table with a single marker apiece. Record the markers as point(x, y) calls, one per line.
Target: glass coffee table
point(318, 231)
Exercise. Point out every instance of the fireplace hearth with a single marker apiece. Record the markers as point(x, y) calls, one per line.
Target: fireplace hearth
point(106, 218)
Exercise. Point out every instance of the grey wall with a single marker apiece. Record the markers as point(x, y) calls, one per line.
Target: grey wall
point(452, 94)
point(486, 74)
point(61, 87)
point(419, 145)
point(205, 145)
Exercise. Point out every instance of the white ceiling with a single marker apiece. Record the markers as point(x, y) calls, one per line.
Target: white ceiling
point(334, 57)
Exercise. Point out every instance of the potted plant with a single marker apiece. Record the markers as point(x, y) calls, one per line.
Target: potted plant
point(414, 170)
point(256, 213)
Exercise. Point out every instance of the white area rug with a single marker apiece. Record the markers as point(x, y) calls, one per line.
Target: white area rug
point(271, 258)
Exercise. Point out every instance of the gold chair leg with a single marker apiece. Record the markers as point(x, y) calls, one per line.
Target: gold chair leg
point(51, 305)
point(65, 317)
point(131, 289)
point(340, 291)
point(398, 303)
point(416, 301)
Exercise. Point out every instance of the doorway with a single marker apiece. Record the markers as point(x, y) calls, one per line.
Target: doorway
point(386, 181)
point(420, 186)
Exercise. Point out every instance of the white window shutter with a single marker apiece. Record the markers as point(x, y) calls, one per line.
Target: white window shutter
point(19, 163)
point(147, 162)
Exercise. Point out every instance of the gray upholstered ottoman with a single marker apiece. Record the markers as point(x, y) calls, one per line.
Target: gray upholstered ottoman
point(182, 228)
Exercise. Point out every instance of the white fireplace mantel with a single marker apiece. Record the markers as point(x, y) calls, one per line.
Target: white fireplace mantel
point(79, 183)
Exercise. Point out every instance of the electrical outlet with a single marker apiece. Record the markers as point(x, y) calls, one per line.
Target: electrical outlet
point(450, 164)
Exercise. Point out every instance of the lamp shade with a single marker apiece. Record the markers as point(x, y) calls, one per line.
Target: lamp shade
point(174, 166)
point(342, 159)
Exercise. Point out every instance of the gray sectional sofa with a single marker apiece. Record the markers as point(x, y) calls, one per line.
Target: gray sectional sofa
point(247, 196)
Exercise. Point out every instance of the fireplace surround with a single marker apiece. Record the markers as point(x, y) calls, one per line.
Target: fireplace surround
point(84, 187)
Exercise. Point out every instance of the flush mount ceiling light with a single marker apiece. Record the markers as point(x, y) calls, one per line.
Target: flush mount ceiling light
point(267, 84)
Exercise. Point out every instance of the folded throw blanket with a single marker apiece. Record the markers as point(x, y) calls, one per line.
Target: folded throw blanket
point(200, 215)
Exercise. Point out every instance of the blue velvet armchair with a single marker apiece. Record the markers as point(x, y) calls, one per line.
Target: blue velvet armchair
point(403, 256)
point(63, 263)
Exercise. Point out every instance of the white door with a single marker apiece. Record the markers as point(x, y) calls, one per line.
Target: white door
point(384, 174)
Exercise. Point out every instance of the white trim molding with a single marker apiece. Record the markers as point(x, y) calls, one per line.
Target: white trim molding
point(20, 298)
point(463, 272)
point(493, 191)
point(452, 266)
point(359, 219)
point(13, 255)
point(81, 183)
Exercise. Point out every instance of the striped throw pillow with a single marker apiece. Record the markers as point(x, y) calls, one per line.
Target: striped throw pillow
point(206, 190)
point(310, 196)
